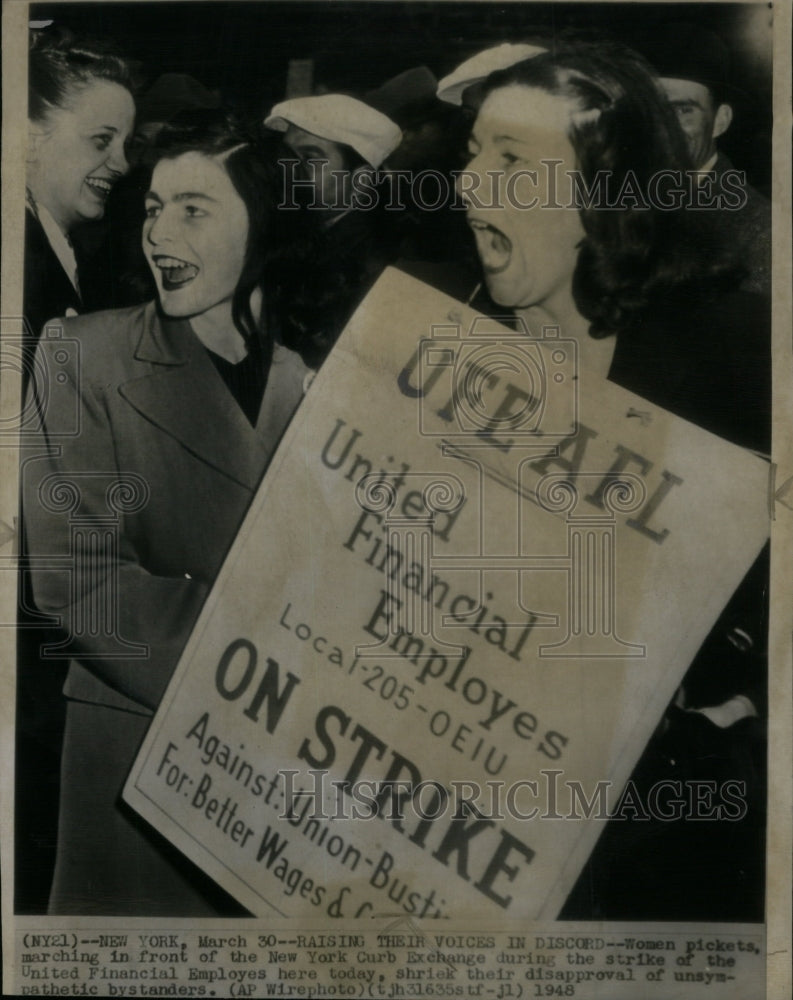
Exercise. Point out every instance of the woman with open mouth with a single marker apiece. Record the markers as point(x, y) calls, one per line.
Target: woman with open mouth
point(584, 215)
point(576, 193)
point(180, 405)
point(81, 114)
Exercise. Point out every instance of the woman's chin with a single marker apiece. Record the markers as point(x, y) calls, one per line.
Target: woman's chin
point(174, 309)
point(91, 212)
point(501, 292)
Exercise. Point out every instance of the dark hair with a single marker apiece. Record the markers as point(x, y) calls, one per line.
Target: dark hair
point(61, 64)
point(631, 254)
point(277, 246)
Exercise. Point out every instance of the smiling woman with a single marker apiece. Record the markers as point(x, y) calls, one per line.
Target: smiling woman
point(180, 404)
point(191, 238)
point(81, 112)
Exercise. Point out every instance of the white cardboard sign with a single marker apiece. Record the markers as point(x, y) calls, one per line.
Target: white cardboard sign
point(470, 582)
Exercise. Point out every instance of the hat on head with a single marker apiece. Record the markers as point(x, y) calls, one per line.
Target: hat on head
point(479, 67)
point(684, 51)
point(339, 118)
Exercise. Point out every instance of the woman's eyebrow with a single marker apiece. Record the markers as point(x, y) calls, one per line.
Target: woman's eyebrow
point(510, 138)
point(182, 196)
point(193, 195)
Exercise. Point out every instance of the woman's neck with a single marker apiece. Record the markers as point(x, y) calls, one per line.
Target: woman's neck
point(38, 204)
point(558, 309)
point(216, 330)
point(593, 355)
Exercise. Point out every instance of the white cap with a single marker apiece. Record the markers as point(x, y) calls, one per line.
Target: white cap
point(479, 67)
point(340, 119)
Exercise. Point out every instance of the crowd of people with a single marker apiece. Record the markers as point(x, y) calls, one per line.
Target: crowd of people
point(205, 265)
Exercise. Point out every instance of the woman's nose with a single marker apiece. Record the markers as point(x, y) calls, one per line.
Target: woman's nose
point(157, 231)
point(117, 160)
point(469, 179)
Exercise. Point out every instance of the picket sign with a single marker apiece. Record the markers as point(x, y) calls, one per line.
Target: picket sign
point(469, 584)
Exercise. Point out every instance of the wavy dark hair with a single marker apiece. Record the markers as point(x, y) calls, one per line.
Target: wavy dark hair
point(61, 64)
point(278, 246)
point(631, 255)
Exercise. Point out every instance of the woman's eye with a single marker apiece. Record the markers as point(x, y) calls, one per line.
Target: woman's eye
point(510, 158)
point(102, 141)
point(194, 212)
point(152, 211)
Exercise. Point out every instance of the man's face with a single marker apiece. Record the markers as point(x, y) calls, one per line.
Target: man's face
point(328, 175)
point(700, 118)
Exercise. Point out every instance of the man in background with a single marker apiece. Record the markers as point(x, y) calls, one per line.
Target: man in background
point(694, 66)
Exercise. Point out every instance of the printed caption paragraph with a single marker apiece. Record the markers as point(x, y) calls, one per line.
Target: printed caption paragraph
point(398, 961)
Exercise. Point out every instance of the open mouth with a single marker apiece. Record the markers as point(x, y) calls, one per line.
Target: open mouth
point(175, 273)
point(493, 247)
point(100, 186)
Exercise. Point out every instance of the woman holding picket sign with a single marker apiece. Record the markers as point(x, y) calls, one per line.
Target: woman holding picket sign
point(648, 297)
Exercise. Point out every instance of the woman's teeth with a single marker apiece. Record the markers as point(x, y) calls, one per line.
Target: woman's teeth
point(493, 247)
point(175, 271)
point(100, 186)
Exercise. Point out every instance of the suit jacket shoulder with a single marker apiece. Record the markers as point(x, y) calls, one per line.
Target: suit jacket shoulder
point(106, 329)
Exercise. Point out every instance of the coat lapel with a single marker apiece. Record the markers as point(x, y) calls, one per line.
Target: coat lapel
point(57, 285)
point(184, 395)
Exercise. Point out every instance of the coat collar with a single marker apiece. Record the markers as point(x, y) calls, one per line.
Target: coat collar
point(163, 340)
point(183, 394)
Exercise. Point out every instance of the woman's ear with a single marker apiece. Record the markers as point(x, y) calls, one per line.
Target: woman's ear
point(257, 301)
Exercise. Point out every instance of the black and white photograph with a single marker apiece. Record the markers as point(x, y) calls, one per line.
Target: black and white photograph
point(397, 503)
